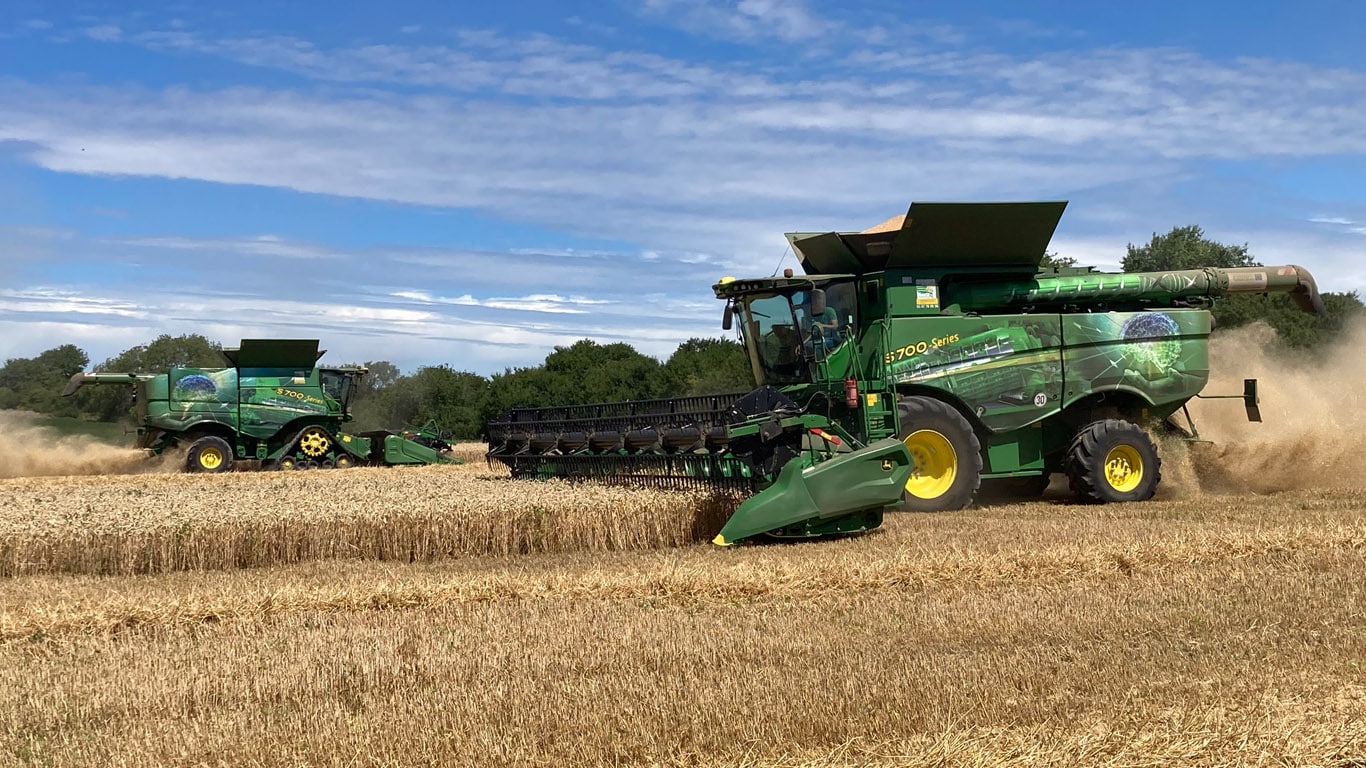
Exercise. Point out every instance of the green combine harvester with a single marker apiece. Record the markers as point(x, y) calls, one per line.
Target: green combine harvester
point(909, 367)
point(274, 406)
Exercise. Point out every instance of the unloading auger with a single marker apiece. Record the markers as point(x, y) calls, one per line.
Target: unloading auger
point(911, 366)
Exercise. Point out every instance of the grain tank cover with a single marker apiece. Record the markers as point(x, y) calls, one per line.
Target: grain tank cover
point(1011, 236)
point(294, 354)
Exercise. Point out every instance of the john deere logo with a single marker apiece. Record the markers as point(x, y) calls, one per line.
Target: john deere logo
point(887, 465)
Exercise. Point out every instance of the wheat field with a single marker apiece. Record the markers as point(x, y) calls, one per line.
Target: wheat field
point(450, 616)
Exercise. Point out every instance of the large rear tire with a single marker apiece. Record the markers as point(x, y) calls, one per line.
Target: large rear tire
point(946, 452)
point(209, 454)
point(1113, 460)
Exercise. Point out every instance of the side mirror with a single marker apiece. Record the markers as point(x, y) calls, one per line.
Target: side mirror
point(727, 318)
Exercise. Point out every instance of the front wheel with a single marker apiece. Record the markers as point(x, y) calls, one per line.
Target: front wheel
point(209, 454)
point(1113, 460)
point(946, 452)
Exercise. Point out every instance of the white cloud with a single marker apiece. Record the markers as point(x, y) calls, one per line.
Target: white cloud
point(58, 301)
point(698, 166)
point(788, 20)
point(259, 245)
point(104, 32)
point(541, 302)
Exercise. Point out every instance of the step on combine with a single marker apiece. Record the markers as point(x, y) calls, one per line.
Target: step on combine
point(913, 367)
point(274, 406)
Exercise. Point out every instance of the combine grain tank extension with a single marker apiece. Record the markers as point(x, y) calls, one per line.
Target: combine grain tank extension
point(274, 406)
point(911, 366)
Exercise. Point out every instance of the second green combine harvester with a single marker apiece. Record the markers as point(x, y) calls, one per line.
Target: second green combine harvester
point(908, 367)
point(274, 406)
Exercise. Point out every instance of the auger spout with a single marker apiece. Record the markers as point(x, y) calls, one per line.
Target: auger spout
point(1132, 289)
point(81, 378)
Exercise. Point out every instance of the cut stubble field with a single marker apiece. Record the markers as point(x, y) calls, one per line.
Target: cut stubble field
point(448, 616)
point(426, 616)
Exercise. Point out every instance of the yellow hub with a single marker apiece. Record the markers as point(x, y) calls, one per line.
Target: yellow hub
point(1123, 468)
point(210, 458)
point(315, 442)
point(936, 464)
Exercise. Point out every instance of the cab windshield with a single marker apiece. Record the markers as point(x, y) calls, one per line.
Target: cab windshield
point(337, 385)
point(784, 336)
point(775, 345)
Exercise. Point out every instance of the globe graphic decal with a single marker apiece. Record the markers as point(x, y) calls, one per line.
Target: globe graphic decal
point(196, 386)
point(1156, 340)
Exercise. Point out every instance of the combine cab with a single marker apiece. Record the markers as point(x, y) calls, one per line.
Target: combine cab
point(907, 367)
point(274, 406)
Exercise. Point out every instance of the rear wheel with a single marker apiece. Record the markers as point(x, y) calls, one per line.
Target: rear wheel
point(1113, 460)
point(209, 454)
point(946, 453)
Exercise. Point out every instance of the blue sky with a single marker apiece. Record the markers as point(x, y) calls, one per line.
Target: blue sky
point(475, 183)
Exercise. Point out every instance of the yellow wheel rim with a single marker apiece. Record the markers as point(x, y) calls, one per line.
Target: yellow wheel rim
point(936, 464)
point(210, 458)
point(315, 442)
point(1124, 468)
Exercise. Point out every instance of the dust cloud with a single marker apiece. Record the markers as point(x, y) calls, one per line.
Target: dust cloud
point(28, 449)
point(1313, 428)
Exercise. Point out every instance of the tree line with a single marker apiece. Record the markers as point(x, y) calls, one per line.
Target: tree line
point(587, 371)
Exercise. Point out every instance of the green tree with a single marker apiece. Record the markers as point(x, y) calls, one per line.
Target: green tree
point(1188, 248)
point(588, 372)
point(110, 403)
point(1184, 248)
point(166, 352)
point(1052, 259)
point(1294, 327)
point(368, 401)
point(518, 387)
point(584, 372)
point(456, 400)
point(379, 375)
point(36, 383)
point(707, 366)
